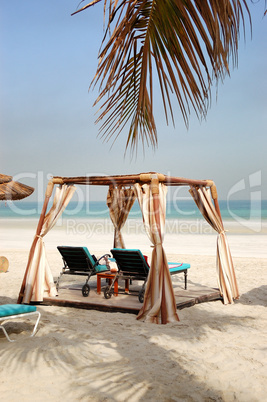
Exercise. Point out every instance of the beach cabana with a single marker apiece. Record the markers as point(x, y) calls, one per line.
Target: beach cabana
point(150, 189)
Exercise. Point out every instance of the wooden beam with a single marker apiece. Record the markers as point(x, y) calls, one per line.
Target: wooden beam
point(126, 180)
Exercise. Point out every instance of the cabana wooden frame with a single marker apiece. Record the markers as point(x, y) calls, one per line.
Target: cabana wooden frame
point(159, 302)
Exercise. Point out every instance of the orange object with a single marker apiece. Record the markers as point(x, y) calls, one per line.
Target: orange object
point(106, 275)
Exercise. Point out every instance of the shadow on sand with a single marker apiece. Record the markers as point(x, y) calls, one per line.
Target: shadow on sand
point(255, 297)
point(96, 365)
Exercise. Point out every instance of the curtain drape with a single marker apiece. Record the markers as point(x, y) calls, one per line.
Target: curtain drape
point(159, 301)
point(39, 277)
point(119, 201)
point(224, 264)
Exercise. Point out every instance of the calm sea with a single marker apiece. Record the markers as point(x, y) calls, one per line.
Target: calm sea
point(182, 209)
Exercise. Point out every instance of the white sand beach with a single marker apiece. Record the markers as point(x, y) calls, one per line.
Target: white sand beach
point(215, 352)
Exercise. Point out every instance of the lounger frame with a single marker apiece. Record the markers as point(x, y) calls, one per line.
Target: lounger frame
point(14, 317)
point(78, 261)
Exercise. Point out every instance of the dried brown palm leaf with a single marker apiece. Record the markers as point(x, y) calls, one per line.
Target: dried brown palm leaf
point(186, 44)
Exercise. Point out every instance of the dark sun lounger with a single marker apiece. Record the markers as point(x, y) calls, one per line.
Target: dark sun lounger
point(78, 261)
point(132, 265)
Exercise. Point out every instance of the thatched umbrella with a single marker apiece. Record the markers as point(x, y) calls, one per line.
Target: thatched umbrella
point(13, 190)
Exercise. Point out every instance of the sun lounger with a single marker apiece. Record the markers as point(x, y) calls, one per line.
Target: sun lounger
point(78, 261)
point(14, 311)
point(132, 265)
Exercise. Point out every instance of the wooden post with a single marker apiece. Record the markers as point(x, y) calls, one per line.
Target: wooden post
point(48, 194)
point(156, 205)
point(155, 195)
point(214, 195)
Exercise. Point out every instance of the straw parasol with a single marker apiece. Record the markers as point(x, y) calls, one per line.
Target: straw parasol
point(13, 190)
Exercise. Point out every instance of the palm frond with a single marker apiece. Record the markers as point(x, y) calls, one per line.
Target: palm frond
point(187, 44)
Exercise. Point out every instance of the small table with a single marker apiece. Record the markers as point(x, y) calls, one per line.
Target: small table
point(110, 276)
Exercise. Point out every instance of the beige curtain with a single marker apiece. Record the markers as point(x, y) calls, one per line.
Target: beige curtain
point(159, 301)
point(39, 277)
point(224, 264)
point(119, 201)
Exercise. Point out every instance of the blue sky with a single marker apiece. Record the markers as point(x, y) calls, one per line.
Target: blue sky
point(48, 59)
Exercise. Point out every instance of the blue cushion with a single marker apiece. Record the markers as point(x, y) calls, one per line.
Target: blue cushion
point(92, 261)
point(176, 266)
point(14, 309)
point(100, 268)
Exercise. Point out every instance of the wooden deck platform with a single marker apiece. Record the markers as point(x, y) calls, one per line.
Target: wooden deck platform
point(70, 295)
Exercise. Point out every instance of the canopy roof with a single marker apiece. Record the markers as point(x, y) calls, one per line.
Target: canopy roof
point(141, 178)
point(130, 179)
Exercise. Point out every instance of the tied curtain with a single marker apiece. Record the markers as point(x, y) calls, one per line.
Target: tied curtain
point(159, 301)
point(119, 201)
point(39, 278)
point(224, 264)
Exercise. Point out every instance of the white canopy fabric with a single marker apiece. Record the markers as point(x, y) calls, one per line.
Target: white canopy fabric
point(39, 278)
point(159, 301)
point(119, 201)
point(224, 264)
